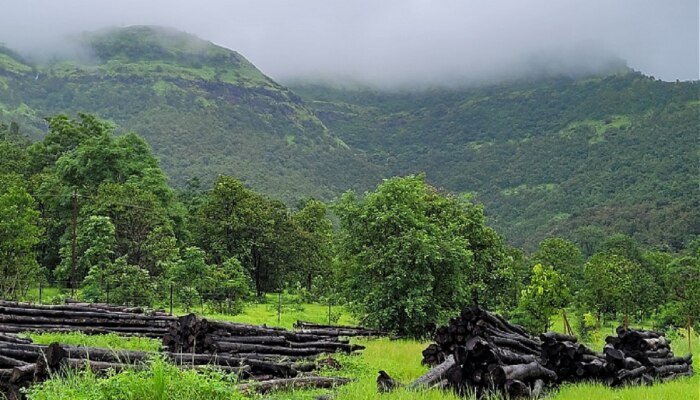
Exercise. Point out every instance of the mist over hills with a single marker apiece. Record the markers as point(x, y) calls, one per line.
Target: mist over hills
point(550, 154)
point(204, 109)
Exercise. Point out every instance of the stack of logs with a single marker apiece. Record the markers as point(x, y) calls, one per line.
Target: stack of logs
point(87, 318)
point(489, 352)
point(570, 360)
point(197, 335)
point(23, 363)
point(337, 330)
point(640, 356)
point(480, 351)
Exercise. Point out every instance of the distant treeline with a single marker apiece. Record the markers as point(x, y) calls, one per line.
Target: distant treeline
point(94, 211)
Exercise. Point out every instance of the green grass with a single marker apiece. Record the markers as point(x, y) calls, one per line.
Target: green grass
point(399, 358)
point(291, 311)
point(108, 341)
point(159, 382)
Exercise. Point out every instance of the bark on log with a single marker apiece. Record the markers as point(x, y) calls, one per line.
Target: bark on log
point(434, 375)
point(521, 372)
point(537, 389)
point(671, 369)
point(10, 362)
point(292, 383)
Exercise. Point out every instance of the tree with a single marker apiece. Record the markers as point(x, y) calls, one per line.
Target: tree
point(564, 257)
point(95, 247)
point(543, 297)
point(236, 222)
point(19, 234)
point(589, 238)
point(615, 284)
point(313, 247)
point(137, 215)
point(624, 246)
point(188, 275)
point(119, 282)
point(412, 255)
point(685, 290)
point(228, 285)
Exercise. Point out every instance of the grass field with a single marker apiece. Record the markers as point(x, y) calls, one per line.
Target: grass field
point(400, 358)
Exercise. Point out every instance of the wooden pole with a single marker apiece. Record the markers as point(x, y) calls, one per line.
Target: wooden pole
point(74, 240)
point(279, 307)
point(689, 336)
point(567, 326)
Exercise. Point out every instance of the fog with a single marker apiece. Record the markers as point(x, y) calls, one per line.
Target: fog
point(392, 42)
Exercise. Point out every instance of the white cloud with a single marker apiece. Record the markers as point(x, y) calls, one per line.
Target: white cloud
point(396, 41)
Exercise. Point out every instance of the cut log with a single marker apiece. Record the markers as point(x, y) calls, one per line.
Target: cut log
point(434, 375)
point(23, 373)
point(10, 362)
point(671, 369)
point(521, 372)
point(317, 382)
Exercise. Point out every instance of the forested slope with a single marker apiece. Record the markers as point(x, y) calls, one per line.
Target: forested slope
point(204, 109)
point(578, 158)
point(612, 154)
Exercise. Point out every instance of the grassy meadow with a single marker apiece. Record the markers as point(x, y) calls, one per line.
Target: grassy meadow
point(399, 358)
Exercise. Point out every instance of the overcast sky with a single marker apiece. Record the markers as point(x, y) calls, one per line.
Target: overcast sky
point(396, 41)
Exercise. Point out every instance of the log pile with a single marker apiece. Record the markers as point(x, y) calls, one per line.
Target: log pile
point(570, 360)
point(480, 351)
point(337, 330)
point(23, 363)
point(640, 356)
point(87, 318)
point(489, 352)
point(193, 334)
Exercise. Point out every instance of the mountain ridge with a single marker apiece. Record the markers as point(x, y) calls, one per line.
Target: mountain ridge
point(185, 94)
point(547, 157)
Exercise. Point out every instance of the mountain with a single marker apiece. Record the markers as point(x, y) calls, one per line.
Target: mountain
point(547, 156)
point(204, 109)
point(556, 156)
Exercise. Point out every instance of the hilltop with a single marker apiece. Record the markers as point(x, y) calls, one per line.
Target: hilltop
point(580, 158)
point(204, 109)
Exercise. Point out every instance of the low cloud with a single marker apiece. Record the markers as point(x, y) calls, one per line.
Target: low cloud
point(394, 42)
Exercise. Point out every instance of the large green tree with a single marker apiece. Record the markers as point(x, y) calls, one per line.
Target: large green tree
point(19, 234)
point(234, 221)
point(313, 247)
point(543, 297)
point(414, 256)
point(564, 256)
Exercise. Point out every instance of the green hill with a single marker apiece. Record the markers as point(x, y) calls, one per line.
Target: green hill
point(615, 153)
point(204, 109)
point(619, 152)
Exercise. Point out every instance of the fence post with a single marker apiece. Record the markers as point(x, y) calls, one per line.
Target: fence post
point(201, 303)
point(690, 335)
point(108, 293)
point(329, 311)
point(171, 298)
point(40, 290)
point(279, 307)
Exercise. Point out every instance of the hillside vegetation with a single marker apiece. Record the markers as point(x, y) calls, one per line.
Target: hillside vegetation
point(578, 158)
point(554, 157)
point(204, 109)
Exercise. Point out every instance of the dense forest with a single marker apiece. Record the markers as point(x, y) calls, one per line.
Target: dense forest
point(575, 158)
point(552, 157)
point(84, 208)
point(531, 196)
